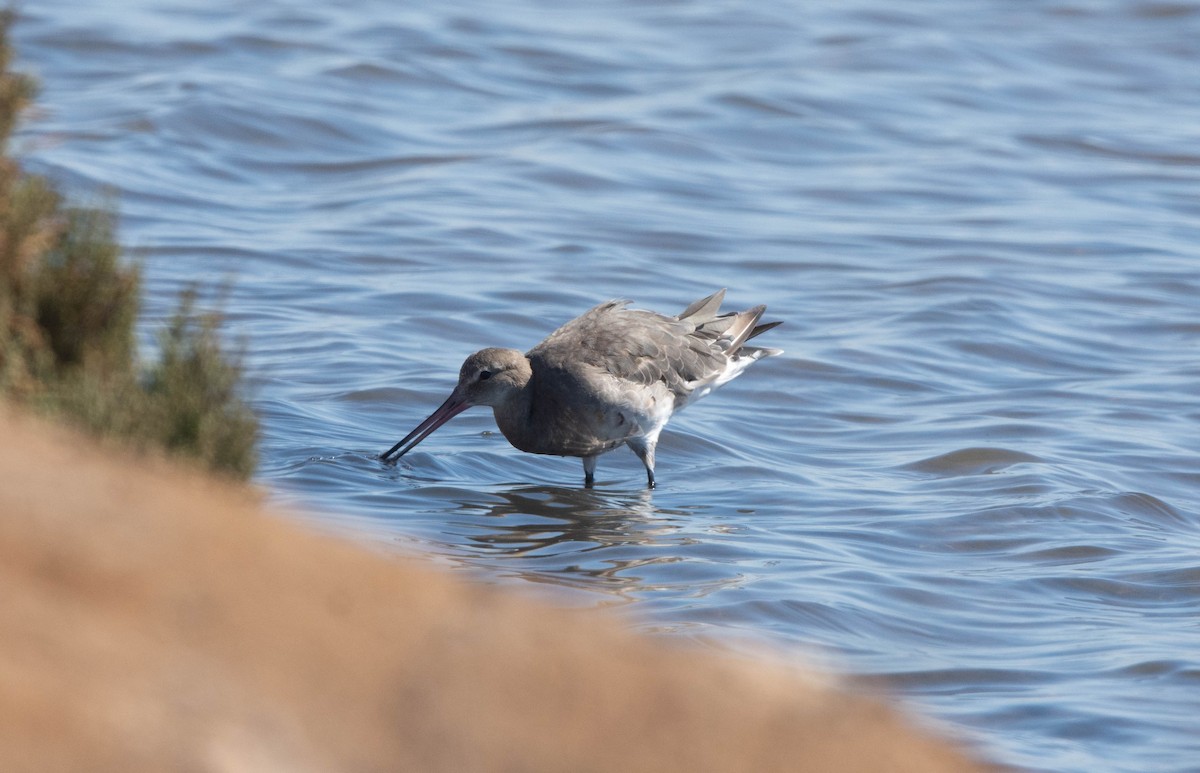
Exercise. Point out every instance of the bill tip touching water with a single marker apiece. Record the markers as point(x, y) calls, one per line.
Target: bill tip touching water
point(612, 376)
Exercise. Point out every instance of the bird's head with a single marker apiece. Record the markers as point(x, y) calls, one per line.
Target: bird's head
point(492, 376)
point(488, 377)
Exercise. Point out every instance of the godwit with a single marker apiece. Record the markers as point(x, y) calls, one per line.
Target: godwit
point(612, 376)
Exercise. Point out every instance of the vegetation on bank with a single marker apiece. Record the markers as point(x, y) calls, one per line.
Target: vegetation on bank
point(68, 307)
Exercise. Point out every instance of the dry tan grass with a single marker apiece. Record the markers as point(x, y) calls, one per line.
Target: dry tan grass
point(152, 619)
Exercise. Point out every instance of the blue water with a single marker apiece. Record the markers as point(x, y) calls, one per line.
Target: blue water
point(973, 480)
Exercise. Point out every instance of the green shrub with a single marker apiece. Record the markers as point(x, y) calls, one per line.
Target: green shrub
point(68, 308)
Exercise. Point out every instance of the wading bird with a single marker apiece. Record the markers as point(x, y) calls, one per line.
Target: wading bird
point(612, 376)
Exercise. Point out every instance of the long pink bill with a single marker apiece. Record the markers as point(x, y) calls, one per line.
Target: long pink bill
point(453, 406)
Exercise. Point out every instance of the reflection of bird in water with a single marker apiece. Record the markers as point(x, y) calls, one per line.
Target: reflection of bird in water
point(611, 377)
point(536, 518)
point(570, 537)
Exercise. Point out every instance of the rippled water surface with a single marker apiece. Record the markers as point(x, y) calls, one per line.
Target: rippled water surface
point(973, 478)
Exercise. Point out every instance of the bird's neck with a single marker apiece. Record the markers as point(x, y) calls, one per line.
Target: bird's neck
point(514, 416)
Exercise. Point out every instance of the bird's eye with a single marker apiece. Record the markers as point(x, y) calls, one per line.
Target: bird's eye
point(484, 375)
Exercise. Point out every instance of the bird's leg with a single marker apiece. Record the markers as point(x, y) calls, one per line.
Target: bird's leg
point(589, 471)
point(644, 448)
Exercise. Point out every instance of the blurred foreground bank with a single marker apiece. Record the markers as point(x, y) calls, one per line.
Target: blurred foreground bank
point(156, 619)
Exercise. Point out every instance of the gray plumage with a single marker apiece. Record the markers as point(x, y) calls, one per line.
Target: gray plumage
point(610, 377)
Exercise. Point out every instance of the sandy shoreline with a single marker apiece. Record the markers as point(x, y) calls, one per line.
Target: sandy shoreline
point(154, 619)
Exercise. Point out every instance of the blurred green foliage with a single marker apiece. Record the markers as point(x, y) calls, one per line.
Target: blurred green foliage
point(68, 307)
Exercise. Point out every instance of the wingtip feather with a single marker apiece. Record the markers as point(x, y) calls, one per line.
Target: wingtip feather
point(706, 308)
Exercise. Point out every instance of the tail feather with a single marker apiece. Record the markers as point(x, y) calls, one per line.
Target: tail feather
point(704, 309)
point(758, 352)
point(735, 327)
point(726, 333)
point(743, 327)
point(760, 329)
